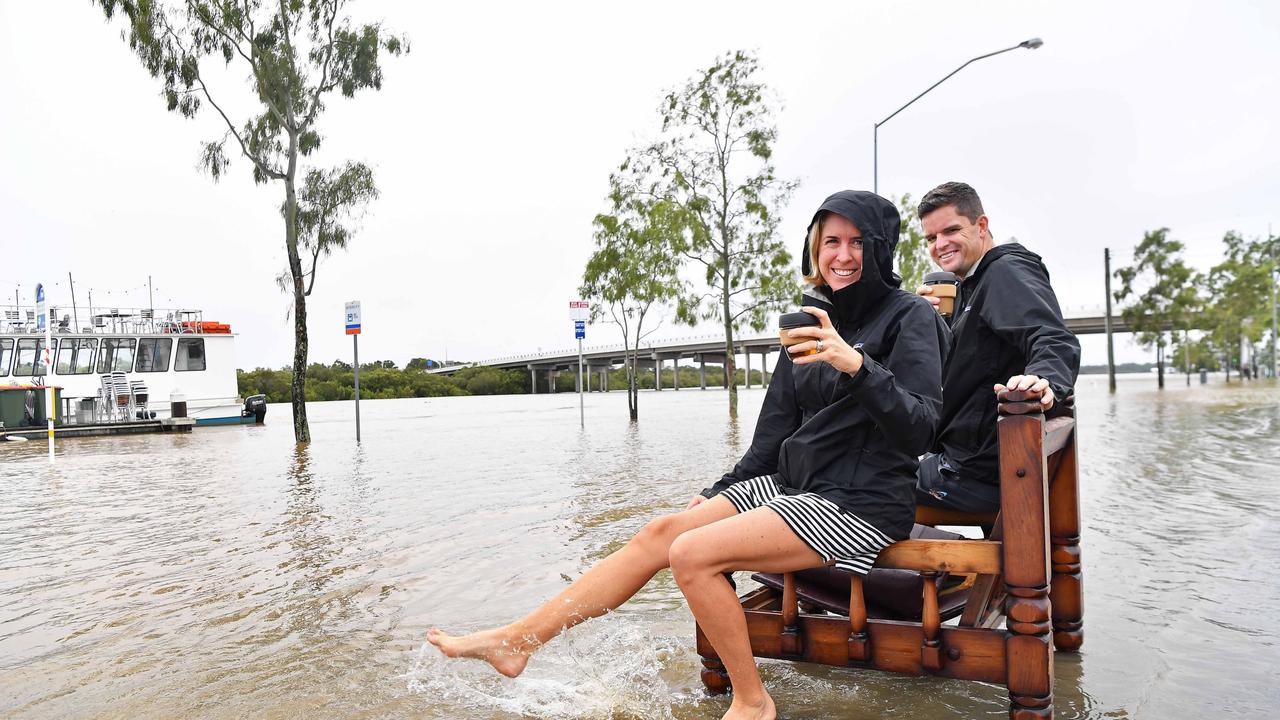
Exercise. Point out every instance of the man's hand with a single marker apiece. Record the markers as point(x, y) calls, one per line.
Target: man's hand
point(696, 501)
point(1033, 386)
point(926, 292)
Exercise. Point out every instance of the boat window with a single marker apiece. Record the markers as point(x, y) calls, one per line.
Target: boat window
point(75, 356)
point(6, 354)
point(190, 355)
point(116, 355)
point(153, 354)
point(29, 355)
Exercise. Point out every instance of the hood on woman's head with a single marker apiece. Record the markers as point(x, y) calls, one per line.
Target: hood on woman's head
point(878, 221)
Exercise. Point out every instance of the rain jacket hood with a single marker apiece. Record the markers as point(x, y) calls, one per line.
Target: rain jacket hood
point(878, 221)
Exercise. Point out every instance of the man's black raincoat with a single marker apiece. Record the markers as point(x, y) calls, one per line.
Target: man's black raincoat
point(1007, 322)
point(856, 440)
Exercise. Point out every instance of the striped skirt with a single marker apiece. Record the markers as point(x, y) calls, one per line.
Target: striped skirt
point(842, 538)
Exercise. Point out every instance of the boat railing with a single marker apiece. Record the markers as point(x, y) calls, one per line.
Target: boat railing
point(21, 320)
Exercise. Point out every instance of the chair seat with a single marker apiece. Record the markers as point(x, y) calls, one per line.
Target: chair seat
point(891, 594)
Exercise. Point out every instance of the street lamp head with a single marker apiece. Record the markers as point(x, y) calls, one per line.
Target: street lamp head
point(1031, 44)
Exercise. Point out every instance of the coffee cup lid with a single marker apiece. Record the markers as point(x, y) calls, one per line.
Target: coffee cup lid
point(797, 319)
point(940, 277)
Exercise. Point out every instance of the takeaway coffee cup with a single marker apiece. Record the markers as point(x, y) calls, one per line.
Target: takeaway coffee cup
point(796, 320)
point(945, 286)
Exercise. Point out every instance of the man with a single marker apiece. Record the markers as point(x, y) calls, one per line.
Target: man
point(1007, 333)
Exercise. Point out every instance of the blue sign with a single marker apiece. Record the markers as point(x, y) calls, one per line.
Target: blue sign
point(579, 329)
point(40, 310)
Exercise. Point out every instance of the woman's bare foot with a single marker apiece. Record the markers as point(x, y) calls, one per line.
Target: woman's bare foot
point(492, 646)
point(740, 710)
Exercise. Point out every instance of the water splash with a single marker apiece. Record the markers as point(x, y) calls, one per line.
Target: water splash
point(610, 667)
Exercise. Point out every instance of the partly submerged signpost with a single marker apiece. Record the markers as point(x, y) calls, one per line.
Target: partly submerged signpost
point(578, 312)
point(353, 329)
point(42, 323)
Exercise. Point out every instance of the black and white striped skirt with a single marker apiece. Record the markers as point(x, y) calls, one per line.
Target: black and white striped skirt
point(842, 538)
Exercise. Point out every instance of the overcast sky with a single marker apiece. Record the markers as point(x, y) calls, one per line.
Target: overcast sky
point(492, 142)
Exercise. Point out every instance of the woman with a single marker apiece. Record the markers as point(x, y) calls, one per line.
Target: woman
point(830, 473)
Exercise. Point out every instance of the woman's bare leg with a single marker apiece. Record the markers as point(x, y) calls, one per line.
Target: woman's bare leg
point(604, 587)
point(756, 540)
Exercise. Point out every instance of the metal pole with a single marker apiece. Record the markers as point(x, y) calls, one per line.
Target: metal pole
point(1275, 277)
point(50, 411)
point(355, 351)
point(1031, 44)
point(582, 414)
point(75, 315)
point(151, 300)
point(1111, 352)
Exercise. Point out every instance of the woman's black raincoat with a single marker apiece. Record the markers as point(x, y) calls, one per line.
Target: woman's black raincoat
point(856, 440)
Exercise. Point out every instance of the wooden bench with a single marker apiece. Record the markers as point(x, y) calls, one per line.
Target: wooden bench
point(1028, 576)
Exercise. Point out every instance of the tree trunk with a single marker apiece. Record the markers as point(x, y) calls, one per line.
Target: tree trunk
point(730, 370)
point(1160, 364)
point(298, 387)
point(633, 390)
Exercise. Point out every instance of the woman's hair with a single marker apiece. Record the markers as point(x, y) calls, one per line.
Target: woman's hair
point(815, 236)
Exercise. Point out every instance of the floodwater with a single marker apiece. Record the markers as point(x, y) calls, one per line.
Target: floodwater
point(225, 574)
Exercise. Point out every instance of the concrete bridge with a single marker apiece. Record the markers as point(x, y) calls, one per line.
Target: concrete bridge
point(598, 360)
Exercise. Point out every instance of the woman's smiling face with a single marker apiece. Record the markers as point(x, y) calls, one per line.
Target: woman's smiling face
point(839, 252)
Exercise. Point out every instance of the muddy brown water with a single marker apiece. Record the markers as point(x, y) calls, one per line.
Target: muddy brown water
point(225, 574)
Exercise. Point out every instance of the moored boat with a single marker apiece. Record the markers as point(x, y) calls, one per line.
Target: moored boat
point(127, 364)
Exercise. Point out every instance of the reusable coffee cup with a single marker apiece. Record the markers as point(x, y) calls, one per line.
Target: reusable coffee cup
point(787, 321)
point(945, 287)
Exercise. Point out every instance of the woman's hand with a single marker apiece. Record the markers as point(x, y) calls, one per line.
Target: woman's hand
point(832, 349)
point(694, 502)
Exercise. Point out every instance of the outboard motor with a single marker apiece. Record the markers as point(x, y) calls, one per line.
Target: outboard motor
point(255, 406)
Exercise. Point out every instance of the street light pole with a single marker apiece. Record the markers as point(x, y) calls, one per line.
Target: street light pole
point(1031, 44)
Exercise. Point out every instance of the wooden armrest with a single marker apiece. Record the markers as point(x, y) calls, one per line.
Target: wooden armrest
point(1056, 433)
point(959, 556)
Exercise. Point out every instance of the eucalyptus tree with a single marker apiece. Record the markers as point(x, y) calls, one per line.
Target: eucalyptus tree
point(1239, 289)
point(713, 160)
point(912, 259)
point(634, 270)
point(295, 55)
point(1169, 296)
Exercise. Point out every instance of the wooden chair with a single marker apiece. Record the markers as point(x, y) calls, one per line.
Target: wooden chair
point(1028, 575)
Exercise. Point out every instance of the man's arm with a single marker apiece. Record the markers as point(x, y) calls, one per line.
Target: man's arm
point(1023, 310)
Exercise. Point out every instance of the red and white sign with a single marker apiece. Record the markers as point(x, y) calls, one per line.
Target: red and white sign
point(579, 309)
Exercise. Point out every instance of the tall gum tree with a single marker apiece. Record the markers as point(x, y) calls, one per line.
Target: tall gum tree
point(634, 271)
point(296, 53)
point(1169, 296)
point(712, 159)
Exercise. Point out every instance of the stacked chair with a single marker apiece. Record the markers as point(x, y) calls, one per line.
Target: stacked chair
point(1024, 600)
point(117, 397)
point(138, 390)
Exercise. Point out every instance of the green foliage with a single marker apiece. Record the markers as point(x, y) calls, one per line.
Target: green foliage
point(1240, 286)
point(712, 160)
point(1170, 298)
point(634, 268)
point(329, 205)
point(380, 380)
point(912, 256)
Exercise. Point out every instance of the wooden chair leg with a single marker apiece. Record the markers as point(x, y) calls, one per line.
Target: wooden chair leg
point(859, 642)
point(931, 649)
point(1024, 522)
point(714, 677)
point(1067, 588)
point(790, 616)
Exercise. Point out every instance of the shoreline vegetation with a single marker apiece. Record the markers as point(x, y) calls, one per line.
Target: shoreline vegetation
point(382, 380)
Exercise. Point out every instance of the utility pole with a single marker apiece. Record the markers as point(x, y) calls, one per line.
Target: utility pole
point(1111, 353)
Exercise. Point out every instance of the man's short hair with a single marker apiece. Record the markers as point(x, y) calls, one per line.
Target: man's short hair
point(964, 198)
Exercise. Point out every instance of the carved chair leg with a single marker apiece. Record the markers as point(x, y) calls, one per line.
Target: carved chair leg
point(859, 642)
point(1067, 585)
point(714, 677)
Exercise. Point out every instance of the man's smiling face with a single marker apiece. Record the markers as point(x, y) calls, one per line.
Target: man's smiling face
point(956, 244)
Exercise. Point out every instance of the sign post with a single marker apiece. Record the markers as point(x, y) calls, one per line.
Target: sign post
point(578, 312)
point(42, 323)
point(353, 329)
